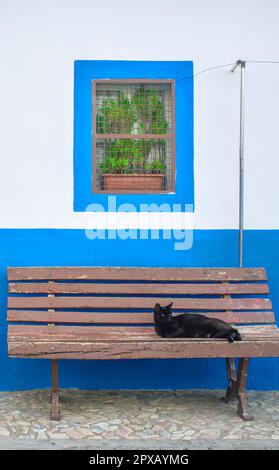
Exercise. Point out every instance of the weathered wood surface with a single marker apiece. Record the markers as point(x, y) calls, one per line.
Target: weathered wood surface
point(129, 318)
point(145, 349)
point(138, 340)
point(148, 274)
point(139, 302)
point(136, 288)
point(53, 333)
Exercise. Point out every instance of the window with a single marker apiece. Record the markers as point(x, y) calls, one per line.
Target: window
point(174, 82)
point(133, 136)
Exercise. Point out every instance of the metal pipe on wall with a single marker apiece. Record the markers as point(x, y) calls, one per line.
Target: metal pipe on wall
point(242, 65)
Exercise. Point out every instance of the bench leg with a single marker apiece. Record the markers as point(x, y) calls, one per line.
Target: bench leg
point(55, 412)
point(242, 410)
point(231, 393)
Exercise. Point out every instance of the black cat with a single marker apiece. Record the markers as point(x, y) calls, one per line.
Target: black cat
point(191, 325)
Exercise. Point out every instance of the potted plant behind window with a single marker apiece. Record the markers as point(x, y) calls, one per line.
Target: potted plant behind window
point(127, 164)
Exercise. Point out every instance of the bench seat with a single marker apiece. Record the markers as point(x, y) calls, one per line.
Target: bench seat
point(106, 313)
point(75, 342)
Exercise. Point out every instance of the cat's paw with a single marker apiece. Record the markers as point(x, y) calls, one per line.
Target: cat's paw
point(234, 336)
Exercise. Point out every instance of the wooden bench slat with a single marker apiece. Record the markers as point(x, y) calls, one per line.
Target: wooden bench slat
point(262, 330)
point(115, 317)
point(127, 273)
point(54, 334)
point(163, 349)
point(134, 288)
point(139, 302)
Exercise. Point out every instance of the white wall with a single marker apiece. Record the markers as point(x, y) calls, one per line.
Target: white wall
point(40, 39)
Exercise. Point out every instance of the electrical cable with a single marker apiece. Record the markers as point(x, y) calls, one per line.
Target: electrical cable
point(226, 65)
point(263, 61)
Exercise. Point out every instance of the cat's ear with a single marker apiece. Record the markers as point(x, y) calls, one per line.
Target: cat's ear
point(157, 308)
point(169, 307)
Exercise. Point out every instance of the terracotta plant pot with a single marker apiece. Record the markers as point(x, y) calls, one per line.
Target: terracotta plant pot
point(133, 182)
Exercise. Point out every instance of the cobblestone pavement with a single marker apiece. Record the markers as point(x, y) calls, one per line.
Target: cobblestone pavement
point(137, 416)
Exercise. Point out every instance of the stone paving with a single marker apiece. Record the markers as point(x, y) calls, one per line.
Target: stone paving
point(137, 415)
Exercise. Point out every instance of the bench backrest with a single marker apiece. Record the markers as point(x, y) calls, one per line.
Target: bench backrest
point(112, 295)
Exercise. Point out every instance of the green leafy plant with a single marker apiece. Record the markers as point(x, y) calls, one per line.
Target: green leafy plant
point(143, 113)
point(156, 166)
point(150, 111)
point(128, 148)
point(116, 116)
point(115, 165)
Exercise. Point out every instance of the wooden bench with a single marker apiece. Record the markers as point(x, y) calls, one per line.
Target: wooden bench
point(113, 308)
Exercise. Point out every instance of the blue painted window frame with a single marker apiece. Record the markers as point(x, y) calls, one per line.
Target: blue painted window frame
point(87, 70)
